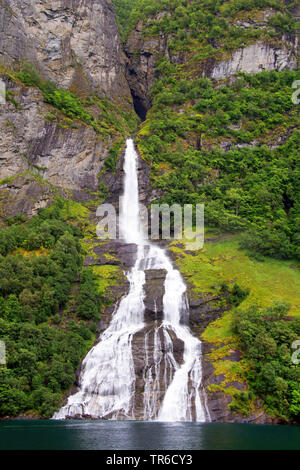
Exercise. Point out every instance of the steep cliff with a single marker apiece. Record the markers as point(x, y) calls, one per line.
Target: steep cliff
point(75, 43)
point(77, 46)
point(67, 157)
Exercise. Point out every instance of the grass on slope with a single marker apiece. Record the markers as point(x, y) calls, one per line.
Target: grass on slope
point(223, 262)
point(269, 280)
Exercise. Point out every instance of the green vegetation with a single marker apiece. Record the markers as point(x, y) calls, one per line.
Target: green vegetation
point(232, 145)
point(68, 103)
point(123, 9)
point(265, 338)
point(106, 117)
point(107, 275)
point(208, 28)
point(113, 157)
point(268, 317)
point(88, 299)
point(223, 263)
point(46, 325)
point(251, 186)
point(9, 96)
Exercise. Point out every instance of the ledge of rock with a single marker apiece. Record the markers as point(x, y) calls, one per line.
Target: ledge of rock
point(154, 292)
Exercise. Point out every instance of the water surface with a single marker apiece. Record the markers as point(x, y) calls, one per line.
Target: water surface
point(139, 435)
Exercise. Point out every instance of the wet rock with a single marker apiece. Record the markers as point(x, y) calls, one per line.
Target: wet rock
point(205, 310)
point(112, 253)
point(127, 254)
point(154, 292)
point(150, 355)
point(140, 70)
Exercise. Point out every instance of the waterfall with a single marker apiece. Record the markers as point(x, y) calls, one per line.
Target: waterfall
point(107, 379)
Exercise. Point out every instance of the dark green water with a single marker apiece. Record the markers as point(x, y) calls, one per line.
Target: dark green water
point(132, 435)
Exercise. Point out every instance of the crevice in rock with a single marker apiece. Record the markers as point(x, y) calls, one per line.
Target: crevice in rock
point(139, 106)
point(139, 79)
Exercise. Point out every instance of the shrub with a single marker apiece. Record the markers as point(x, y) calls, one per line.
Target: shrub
point(265, 340)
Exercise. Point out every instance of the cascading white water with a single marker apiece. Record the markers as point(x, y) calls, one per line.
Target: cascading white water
point(183, 399)
point(107, 379)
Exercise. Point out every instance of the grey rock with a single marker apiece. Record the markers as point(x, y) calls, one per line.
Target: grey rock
point(67, 157)
point(255, 58)
point(140, 70)
point(24, 196)
point(73, 42)
point(143, 363)
point(154, 292)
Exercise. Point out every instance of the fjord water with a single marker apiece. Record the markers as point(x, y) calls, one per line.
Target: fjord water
point(140, 435)
point(107, 380)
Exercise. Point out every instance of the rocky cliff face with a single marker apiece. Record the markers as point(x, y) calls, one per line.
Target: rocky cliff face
point(140, 70)
point(256, 58)
point(67, 157)
point(73, 42)
point(76, 44)
point(264, 49)
point(143, 49)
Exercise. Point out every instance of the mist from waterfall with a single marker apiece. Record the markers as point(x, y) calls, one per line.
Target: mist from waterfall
point(107, 382)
